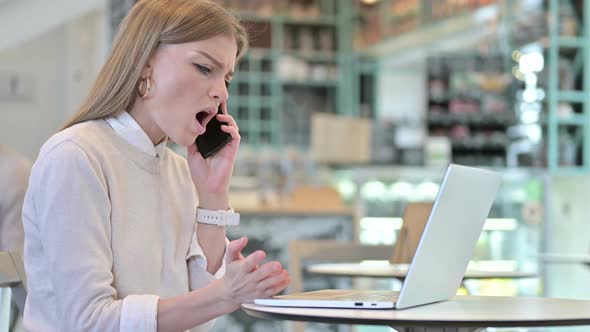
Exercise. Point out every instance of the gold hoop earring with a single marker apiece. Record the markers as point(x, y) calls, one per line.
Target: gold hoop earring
point(143, 90)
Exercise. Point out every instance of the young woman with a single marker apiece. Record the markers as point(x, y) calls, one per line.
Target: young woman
point(118, 228)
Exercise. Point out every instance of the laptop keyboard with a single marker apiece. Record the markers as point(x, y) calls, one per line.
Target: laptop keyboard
point(368, 296)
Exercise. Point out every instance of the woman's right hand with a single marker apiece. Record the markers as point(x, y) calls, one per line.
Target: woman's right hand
point(245, 279)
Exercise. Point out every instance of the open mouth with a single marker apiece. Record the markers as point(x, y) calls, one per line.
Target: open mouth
point(202, 118)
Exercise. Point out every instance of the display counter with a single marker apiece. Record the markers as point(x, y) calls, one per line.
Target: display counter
point(513, 233)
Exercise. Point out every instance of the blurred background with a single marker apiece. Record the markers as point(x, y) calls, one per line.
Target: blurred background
point(351, 109)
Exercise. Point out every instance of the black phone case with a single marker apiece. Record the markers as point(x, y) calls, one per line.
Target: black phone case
point(214, 138)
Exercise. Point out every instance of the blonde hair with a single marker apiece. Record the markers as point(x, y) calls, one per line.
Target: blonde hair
point(149, 24)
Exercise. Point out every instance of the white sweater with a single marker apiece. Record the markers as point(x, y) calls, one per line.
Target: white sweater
point(109, 230)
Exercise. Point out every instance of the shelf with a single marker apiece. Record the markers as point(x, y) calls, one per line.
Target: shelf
point(570, 42)
point(311, 83)
point(470, 145)
point(323, 20)
point(278, 66)
point(467, 95)
point(574, 126)
point(395, 15)
point(257, 53)
point(251, 16)
point(246, 76)
point(461, 28)
point(259, 100)
point(472, 119)
point(569, 171)
point(571, 96)
point(312, 55)
point(368, 67)
point(572, 119)
point(245, 15)
point(391, 172)
point(444, 99)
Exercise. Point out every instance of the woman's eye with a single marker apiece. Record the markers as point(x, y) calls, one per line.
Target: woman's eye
point(227, 84)
point(203, 69)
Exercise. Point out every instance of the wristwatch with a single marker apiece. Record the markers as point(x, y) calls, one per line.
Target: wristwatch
point(218, 217)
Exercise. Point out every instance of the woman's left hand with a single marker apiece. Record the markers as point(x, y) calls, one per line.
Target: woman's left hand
point(211, 176)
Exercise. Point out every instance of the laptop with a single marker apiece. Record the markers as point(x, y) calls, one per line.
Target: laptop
point(414, 221)
point(444, 250)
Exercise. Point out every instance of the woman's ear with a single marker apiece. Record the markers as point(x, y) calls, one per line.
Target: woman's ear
point(147, 70)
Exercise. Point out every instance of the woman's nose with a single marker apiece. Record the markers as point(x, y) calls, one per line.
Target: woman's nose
point(220, 92)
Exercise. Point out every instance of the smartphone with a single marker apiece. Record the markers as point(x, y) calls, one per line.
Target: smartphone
point(214, 138)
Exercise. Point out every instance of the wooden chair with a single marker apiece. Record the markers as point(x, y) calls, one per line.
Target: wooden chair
point(415, 218)
point(414, 221)
point(329, 251)
point(12, 275)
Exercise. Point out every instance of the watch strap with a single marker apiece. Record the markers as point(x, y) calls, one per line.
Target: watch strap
point(218, 217)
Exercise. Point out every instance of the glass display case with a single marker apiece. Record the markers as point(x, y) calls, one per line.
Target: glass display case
point(512, 235)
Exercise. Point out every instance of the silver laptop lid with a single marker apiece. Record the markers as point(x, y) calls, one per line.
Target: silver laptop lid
point(447, 244)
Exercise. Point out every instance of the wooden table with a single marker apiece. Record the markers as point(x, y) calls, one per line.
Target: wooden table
point(460, 314)
point(399, 271)
point(9, 276)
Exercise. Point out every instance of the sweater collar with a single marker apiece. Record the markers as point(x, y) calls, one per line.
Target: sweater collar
point(126, 127)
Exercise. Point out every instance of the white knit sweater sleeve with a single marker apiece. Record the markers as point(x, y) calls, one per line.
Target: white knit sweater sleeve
point(198, 275)
point(73, 217)
point(197, 264)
